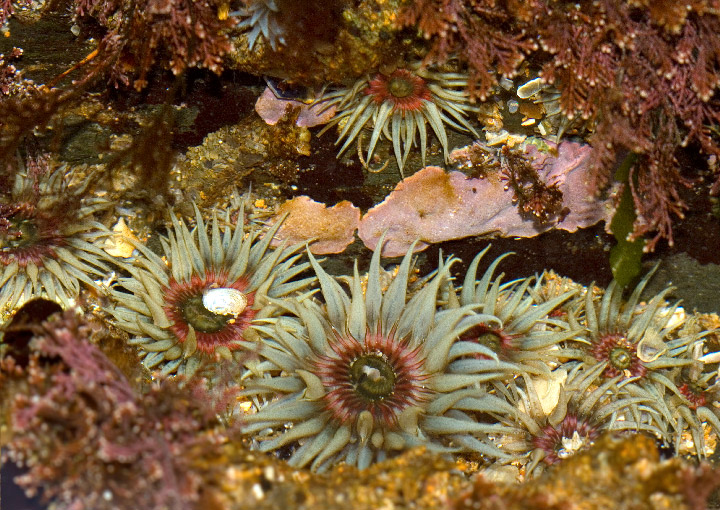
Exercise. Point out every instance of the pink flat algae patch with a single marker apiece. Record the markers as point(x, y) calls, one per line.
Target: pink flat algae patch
point(331, 228)
point(271, 109)
point(434, 206)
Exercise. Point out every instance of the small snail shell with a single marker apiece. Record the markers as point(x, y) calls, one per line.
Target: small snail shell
point(225, 301)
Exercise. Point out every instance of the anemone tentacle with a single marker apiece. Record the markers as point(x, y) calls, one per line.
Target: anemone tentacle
point(260, 18)
point(692, 406)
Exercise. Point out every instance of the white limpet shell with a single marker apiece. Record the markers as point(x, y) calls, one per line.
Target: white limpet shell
point(651, 347)
point(530, 88)
point(548, 390)
point(225, 301)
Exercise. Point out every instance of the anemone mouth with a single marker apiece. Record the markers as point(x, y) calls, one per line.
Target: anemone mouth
point(27, 234)
point(620, 355)
point(189, 315)
point(695, 394)
point(404, 89)
point(200, 318)
point(381, 374)
point(564, 439)
point(494, 339)
point(372, 377)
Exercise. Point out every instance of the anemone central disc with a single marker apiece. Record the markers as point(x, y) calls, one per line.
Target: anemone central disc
point(22, 233)
point(491, 341)
point(695, 389)
point(372, 376)
point(400, 87)
point(620, 358)
point(200, 318)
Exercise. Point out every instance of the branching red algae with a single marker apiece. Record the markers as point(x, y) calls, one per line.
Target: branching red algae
point(87, 439)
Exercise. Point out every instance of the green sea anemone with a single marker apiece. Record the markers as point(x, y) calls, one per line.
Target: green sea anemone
point(398, 106)
point(522, 334)
point(366, 374)
point(46, 238)
point(637, 343)
point(578, 407)
point(196, 304)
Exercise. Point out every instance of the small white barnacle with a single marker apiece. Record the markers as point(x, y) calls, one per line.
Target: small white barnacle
point(224, 301)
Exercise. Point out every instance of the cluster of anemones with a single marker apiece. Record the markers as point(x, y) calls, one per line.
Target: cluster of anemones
point(645, 347)
point(369, 373)
point(495, 370)
point(371, 365)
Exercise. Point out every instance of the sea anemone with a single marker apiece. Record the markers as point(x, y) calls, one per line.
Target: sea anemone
point(364, 375)
point(196, 304)
point(260, 17)
point(636, 343)
point(398, 106)
point(552, 426)
point(522, 334)
point(693, 405)
point(46, 238)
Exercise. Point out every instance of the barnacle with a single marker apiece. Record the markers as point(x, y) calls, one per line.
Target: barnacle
point(553, 123)
point(196, 304)
point(397, 106)
point(366, 374)
point(46, 239)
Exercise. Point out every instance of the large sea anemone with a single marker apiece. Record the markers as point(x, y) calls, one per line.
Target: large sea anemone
point(46, 238)
point(195, 304)
point(366, 374)
point(398, 106)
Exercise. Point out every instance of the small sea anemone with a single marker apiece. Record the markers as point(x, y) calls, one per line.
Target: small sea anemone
point(636, 343)
point(365, 374)
point(46, 238)
point(693, 405)
point(526, 336)
point(551, 426)
point(398, 106)
point(196, 303)
point(260, 17)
